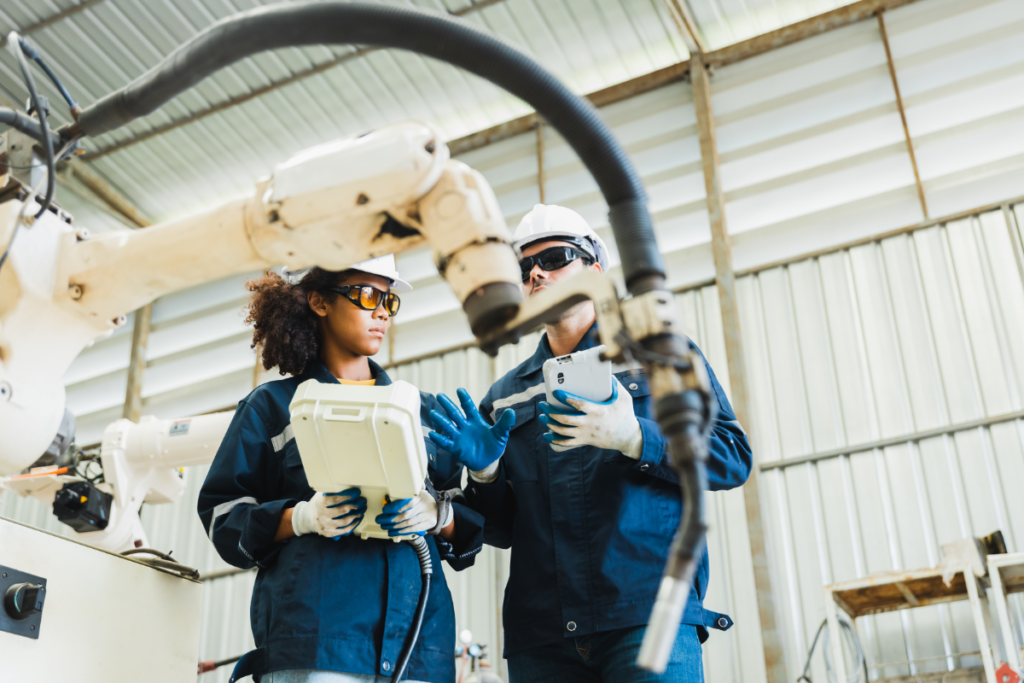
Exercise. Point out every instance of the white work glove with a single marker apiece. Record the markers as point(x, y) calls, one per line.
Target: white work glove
point(329, 514)
point(418, 515)
point(610, 425)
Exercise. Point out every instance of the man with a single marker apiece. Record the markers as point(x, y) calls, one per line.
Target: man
point(589, 519)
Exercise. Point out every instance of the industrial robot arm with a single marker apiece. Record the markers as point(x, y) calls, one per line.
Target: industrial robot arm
point(60, 290)
point(141, 462)
point(331, 206)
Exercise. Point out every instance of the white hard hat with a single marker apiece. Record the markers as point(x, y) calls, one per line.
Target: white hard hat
point(386, 268)
point(382, 265)
point(551, 222)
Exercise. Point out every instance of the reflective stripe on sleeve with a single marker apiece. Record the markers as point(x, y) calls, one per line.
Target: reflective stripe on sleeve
point(225, 508)
point(521, 397)
point(283, 438)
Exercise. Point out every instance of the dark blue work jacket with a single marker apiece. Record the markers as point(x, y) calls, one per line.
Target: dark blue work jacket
point(342, 605)
point(589, 528)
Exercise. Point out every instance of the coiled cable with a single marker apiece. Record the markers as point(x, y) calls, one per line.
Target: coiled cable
point(419, 544)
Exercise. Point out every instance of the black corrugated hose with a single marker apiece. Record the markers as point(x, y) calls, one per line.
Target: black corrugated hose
point(441, 36)
point(419, 544)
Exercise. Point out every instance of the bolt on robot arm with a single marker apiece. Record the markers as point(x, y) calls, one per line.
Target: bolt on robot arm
point(320, 211)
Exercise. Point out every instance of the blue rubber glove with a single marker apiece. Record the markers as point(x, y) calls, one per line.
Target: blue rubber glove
point(547, 409)
point(609, 424)
point(468, 437)
point(329, 514)
point(413, 516)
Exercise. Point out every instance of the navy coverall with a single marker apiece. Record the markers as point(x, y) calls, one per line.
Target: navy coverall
point(343, 605)
point(589, 528)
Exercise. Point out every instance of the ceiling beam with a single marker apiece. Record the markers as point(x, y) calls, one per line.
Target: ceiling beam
point(822, 23)
point(801, 30)
point(600, 98)
point(259, 92)
point(106, 193)
point(787, 35)
point(680, 11)
point(53, 19)
point(903, 114)
point(844, 16)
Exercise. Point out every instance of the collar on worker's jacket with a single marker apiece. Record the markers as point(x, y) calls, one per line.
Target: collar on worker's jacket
point(543, 352)
point(318, 371)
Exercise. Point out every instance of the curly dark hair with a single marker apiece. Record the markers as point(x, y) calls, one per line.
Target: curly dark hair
point(286, 329)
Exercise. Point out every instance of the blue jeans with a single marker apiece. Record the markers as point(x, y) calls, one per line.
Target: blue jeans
point(608, 657)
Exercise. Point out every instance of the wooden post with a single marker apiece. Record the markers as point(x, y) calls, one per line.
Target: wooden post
point(903, 114)
point(540, 160)
point(257, 369)
point(774, 659)
point(137, 365)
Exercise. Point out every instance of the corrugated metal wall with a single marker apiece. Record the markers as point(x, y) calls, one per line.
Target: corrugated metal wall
point(915, 333)
point(882, 340)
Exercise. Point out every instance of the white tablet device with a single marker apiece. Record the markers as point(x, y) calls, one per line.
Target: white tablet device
point(582, 373)
point(368, 437)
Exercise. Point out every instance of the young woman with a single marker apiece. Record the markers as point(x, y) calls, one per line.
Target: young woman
point(327, 606)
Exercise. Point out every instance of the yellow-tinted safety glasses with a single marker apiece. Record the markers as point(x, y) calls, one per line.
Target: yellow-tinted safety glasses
point(369, 298)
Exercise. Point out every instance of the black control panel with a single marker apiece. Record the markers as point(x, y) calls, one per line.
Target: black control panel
point(23, 598)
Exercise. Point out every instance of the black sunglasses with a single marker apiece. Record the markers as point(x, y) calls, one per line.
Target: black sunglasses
point(368, 298)
point(552, 259)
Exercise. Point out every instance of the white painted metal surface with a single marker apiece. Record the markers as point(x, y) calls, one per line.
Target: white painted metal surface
point(106, 619)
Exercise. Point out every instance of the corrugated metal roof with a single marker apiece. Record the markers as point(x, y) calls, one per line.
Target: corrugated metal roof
point(724, 22)
point(812, 154)
point(589, 44)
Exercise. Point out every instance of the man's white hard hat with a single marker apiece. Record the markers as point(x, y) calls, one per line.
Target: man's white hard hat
point(553, 222)
point(383, 266)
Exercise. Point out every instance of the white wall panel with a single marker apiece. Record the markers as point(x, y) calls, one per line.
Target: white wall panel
point(886, 340)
